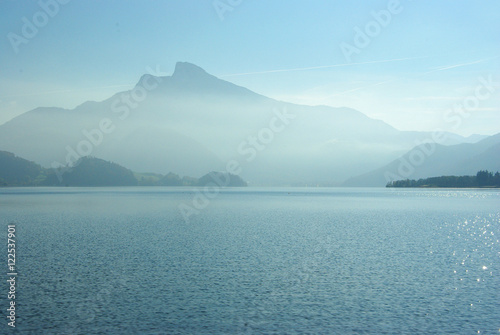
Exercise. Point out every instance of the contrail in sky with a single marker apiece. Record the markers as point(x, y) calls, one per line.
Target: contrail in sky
point(459, 65)
point(322, 67)
point(443, 68)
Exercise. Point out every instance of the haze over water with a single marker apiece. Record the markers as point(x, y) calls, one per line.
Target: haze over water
point(256, 261)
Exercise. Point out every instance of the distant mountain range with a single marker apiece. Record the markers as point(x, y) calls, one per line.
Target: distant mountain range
point(91, 171)
point(428, 160)
point(192, 122)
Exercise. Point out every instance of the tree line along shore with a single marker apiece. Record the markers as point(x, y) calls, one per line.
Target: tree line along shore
point(482, 179)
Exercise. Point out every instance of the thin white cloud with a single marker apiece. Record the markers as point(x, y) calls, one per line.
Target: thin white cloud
point(358, 89)
point(438, 98)
point(443, 68)
point(321, 67)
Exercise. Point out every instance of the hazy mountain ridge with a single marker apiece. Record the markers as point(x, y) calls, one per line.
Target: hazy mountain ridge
point(461, 159)
point(193, 122)
point(92, 171)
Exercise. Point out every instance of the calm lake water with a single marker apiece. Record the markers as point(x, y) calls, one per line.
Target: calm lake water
point(254, 261)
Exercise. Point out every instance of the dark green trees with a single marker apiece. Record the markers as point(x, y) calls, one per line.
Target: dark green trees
point(16, 171)
point(90, 171)
point(485, 178)
point(481, 179)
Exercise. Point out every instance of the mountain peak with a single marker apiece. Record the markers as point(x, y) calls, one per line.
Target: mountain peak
point(188, 70)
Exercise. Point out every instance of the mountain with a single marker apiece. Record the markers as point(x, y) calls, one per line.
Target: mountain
point(192, 122)
point(91, 171)
point(427, 160)
point(16, 171)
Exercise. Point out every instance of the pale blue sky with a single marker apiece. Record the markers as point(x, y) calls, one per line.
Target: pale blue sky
point(406, 75)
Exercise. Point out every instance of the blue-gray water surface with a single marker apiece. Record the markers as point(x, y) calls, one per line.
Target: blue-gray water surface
point(254, 261)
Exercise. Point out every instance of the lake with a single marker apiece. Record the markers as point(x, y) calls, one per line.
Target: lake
point(254, 261)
